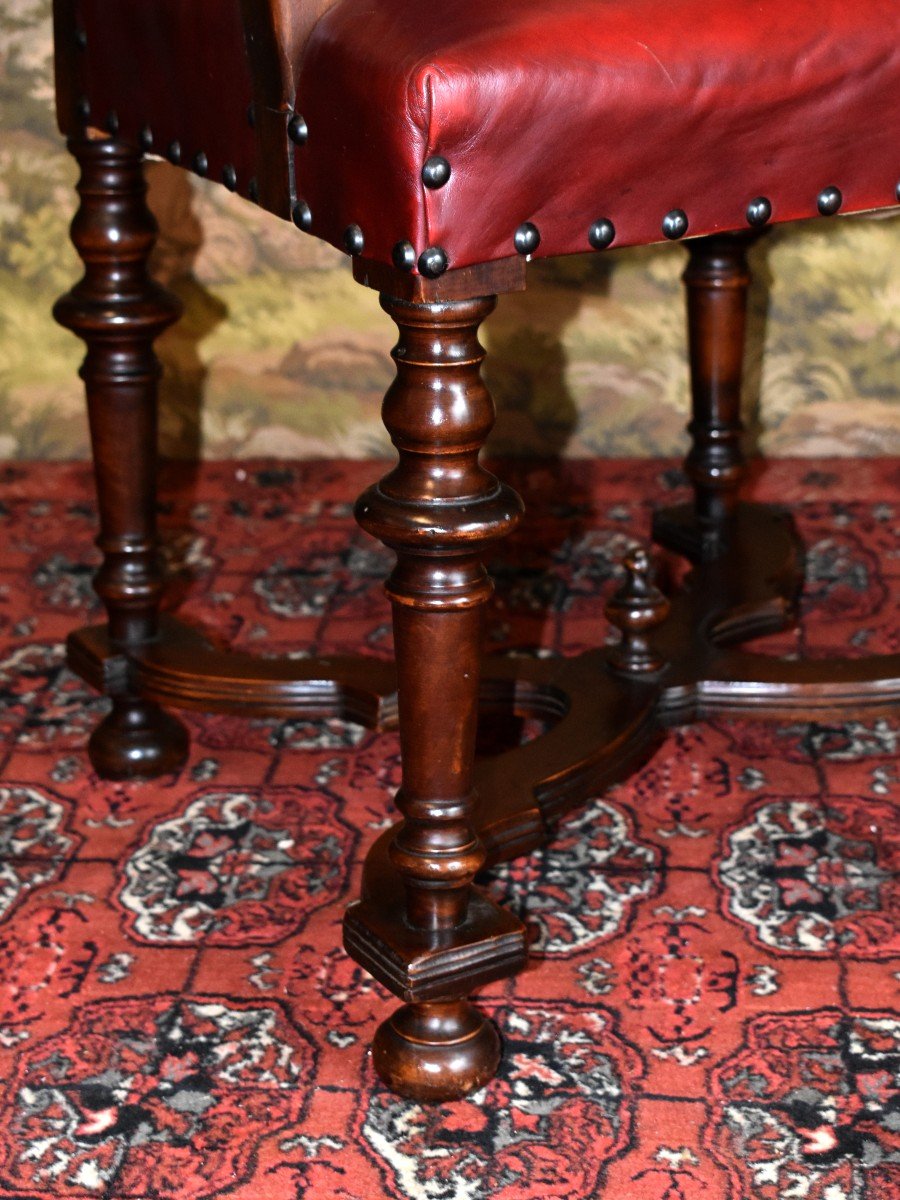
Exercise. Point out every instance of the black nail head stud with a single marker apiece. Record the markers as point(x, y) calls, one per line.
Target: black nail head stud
point(302, 216)
point(112, 122)
point(297, 131)
point(253, 190)
point(435, 172)
point(229, 177)
point(354, 242)
point(145, 139)
point(200, 163)
point(675, 224)
point(897, 192)
point(601, 234)
point(527, 238)
point(403, 256)
point(433, 262)
point(81, 39)
point(829, 201)
point(759, 211)
point(173, 152)
point(251, 116)
point(83, 109)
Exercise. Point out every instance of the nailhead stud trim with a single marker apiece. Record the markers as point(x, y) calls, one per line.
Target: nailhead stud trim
point(354, 241)
point(403, 256)
point(297, 130)
point(601, 234)
point(759, 211)
point(527, 238)
point(675, 224)
point(433, 262)
point(301, 216)
point(435, 172)
point(829, 201)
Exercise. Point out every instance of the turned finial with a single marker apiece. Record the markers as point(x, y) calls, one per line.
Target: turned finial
point(635, 609)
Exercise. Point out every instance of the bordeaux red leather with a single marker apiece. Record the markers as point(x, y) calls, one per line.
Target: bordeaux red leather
point(180, 71)
point(554, 112)
point(559, 112)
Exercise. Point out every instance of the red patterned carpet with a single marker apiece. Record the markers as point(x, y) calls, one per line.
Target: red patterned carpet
point(712, 1005)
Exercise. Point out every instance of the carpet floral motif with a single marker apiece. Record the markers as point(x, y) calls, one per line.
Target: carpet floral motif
point(236, 867)
point(711, 1008)
point(571, 1103)
point(813, 876)
point(33, 846)
point(581, 890)
point(812, 1101)
point(155, 1096)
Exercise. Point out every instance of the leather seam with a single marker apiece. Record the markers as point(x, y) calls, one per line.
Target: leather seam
point(423, 96)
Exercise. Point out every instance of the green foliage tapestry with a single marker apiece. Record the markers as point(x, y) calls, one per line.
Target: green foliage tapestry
point(280, 353)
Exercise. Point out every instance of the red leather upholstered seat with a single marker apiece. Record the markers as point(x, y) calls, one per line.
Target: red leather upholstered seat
point(557, 113)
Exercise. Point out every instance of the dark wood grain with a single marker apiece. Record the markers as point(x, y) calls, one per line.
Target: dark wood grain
point(439, 510)
point(717, 279)
point(182, 668)
point(118, 311)
point(482, 279)
point(421, 927)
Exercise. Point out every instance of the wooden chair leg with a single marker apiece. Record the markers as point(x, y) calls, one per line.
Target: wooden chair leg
point(118, 311)
point(717, 280)
point(439, 510)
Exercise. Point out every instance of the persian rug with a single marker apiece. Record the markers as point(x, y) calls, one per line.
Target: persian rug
point(711, 1008)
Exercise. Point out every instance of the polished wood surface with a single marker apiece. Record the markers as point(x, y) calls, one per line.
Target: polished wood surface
point(118, 311)
point(717, 281)
point(440, 510)
point(421, 926)
point(483, 279)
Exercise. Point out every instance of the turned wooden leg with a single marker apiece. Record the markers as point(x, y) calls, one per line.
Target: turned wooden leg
point(717, 280)
point(439, 510)
point(118, 311)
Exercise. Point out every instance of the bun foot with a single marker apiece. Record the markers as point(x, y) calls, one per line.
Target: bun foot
point(437, 1051)
point(138, 740)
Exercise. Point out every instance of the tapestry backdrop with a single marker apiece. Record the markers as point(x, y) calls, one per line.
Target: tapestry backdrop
point(280, 353)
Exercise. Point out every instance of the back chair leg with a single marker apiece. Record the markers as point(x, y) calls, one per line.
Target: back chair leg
point(717, 281)
point(118, 311)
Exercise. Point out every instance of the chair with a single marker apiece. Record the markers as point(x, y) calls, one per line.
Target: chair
point(443, 146)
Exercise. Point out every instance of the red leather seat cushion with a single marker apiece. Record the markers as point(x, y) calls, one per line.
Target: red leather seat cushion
point(560, 112)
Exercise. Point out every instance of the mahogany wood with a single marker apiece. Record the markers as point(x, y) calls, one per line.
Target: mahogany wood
point(482, 279)
point(118, 311)
point(717, 280)
point(421, 927)
point(439, 509)
point(182, 668)
point(422, 1045)
point(636, 609)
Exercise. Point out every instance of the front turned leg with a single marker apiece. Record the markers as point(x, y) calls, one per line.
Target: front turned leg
point(118, 311)
point(421, 928)
point(717, 280)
